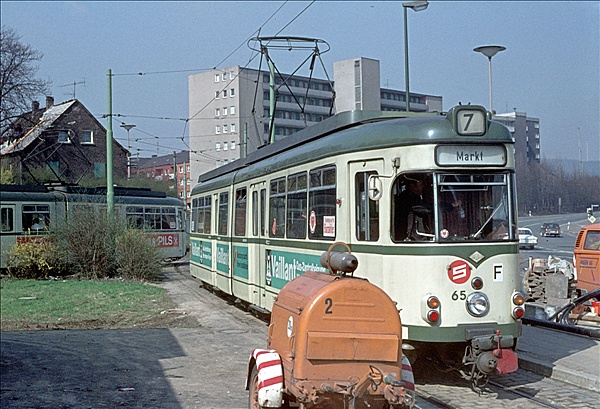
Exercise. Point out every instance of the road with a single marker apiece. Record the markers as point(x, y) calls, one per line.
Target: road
point(562, 246)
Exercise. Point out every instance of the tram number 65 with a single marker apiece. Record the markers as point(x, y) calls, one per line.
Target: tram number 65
point(462, 295)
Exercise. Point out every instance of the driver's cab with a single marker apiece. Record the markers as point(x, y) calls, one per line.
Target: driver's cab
point(428, 206)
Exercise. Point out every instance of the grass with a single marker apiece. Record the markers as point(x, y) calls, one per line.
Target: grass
point(74, 304)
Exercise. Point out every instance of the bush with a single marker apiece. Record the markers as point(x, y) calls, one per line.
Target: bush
point(37, 258)
point(87, 243)
point(137, 258)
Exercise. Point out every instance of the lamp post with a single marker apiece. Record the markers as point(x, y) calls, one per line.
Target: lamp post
point(128, 128)
point(416, 6)
point(489, 51)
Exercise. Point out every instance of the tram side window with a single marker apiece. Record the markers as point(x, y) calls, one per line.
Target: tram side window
point(277, 208)
point(240, 212)
point(205, 216)
point(367, 210)
point(223, 213)
point(35, 217)
point(135, 217)
point(168, 218)
point(7, 219)
point(255, 213)
point(296, 206)
point(152, 219)
point(263, 211)
point(195, 211)
point(413, 207)
point(321, 203)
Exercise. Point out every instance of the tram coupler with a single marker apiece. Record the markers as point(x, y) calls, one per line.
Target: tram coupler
point(492, 353)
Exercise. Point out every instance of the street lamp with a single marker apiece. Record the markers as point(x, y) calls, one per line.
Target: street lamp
point(489, 51)
point(416, 6)
point(128, 128)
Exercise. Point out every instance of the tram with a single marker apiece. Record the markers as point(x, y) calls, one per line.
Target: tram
point(27, 212)
point(426, 201)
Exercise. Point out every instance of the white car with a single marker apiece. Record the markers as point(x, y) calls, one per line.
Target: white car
point(526, 238)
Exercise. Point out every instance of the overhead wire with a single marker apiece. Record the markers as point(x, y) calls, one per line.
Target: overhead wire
point(193, 117)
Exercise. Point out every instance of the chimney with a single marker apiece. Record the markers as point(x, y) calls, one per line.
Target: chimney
point(49, 102)
point(35, 105)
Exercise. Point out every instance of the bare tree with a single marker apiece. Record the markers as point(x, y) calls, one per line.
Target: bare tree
point(18, 83)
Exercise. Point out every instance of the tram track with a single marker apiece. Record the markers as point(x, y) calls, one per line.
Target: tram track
point(517, 391)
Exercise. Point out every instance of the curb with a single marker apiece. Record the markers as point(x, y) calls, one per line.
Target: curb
point(561, 374)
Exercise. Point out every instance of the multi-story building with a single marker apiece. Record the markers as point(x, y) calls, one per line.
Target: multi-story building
point(229, 108)
point(526, 134)
point(163, 168)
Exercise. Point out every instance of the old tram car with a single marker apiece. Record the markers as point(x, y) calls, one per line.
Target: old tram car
point(28, 213)
point(425, 201)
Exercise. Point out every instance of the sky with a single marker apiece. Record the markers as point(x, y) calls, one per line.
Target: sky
point(550, 69)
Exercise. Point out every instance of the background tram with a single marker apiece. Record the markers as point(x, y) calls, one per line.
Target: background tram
point(30, 211)
point(426, 202)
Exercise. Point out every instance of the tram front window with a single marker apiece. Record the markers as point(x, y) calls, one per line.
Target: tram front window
point(452, 207)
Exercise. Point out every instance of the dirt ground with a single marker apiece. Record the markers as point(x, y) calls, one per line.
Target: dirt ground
point(201, 363)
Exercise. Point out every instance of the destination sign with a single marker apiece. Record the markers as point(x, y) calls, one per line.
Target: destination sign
point(470, 155)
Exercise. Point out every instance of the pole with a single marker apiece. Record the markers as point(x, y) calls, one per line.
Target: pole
point(272, 101)
point(490, 64)
point(406, 60)
point(245, 140)
point(110, 193)
point(175, 171)
point(185, 165)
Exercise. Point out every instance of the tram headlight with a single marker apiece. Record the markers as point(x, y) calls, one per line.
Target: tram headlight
point(477, 304)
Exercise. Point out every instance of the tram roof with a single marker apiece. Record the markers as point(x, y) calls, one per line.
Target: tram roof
point(346, 132)
point(134, 195)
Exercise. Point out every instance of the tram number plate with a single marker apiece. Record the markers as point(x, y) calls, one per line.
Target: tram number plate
point(471, 122)
point(459, 295)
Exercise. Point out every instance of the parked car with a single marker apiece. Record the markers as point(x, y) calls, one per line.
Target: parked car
point(526, 238)
point(550, 229)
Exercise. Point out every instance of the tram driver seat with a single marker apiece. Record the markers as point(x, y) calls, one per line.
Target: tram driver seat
point(418, 226)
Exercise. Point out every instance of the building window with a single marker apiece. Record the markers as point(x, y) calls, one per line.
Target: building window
point(53, 166)
point(224, 111)
point(224, 93)
point(231, 92)
point(63, 137)
point(217, 76)
point(217, 112)
point(187, 168)
point(218, 129)
point(232, 110)
point(181, 169)
point(224, 146)
point(232, 147)
point(225, 128)
point(87, 137)
point(218, 147)
point(216, 94)
point(99, 170)
point(224, 76)
point(232, 128)
point(231, 75)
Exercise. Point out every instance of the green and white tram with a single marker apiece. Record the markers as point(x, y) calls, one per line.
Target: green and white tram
point(425, 201)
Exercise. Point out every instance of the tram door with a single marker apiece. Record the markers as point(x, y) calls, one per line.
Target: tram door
point(256, 251)
point(365, 215)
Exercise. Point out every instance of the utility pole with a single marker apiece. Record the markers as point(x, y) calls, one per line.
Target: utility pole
point(110, 193)
point(175, 171)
